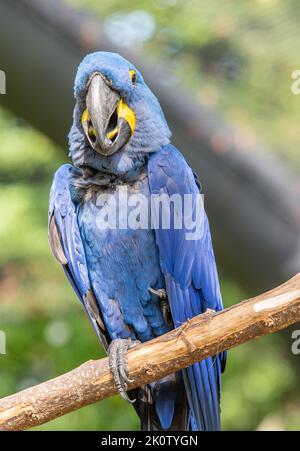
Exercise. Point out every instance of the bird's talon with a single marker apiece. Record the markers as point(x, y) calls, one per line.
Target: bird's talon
point(124, 395)
point(124, 375)
point(118, 365)
point(161, 292)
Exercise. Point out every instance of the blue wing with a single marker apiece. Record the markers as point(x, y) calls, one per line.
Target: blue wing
point(191, 279)
point(67, 247)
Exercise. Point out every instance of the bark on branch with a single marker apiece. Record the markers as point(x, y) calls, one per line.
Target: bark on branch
point(200, 337)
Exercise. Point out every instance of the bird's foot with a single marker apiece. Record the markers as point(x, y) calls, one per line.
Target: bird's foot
point(161, 293)
point(118, 364)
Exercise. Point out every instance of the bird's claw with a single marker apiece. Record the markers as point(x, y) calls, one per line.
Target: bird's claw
point(161, 293)
point(118, 365)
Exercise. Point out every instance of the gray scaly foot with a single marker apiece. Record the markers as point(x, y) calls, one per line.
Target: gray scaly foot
point(118, 364)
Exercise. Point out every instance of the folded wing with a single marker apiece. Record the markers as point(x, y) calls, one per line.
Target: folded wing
point(191, 276)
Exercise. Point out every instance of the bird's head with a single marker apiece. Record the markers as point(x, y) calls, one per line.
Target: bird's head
point(115, 113)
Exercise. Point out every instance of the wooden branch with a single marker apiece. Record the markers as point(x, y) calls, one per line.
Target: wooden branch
point(198, 338)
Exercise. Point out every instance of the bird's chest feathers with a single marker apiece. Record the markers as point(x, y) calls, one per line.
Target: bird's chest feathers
point(114, 222)
point(117, 212)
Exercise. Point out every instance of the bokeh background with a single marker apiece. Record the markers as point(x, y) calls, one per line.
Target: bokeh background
point(237, 59)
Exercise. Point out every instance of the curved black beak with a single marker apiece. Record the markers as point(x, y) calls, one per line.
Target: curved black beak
point(105, 126)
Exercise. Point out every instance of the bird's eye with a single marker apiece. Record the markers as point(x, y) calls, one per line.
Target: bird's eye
point(133, 77)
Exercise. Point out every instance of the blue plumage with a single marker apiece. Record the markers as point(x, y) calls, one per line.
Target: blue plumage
point(112, 269)
point(191, 279)
point(128, 263)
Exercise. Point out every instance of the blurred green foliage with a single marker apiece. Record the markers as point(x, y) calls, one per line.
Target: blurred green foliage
point(47, 331)
point(237, 56)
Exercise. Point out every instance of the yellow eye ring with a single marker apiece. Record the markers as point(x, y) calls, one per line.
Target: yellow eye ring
point(133, 76)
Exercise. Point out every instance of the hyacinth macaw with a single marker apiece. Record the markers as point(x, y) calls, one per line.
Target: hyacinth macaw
point(134, 283)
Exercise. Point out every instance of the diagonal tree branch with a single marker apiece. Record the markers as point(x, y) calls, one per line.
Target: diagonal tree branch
point(200, 337)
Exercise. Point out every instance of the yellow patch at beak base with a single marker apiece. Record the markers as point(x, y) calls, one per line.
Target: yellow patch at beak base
point(86, 122)
point(126, 113)
point(123, 111)
point(113, 133)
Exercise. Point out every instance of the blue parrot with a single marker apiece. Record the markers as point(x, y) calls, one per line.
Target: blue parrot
point(135, 283)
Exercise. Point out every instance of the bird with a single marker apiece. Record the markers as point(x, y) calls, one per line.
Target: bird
point(138, 281)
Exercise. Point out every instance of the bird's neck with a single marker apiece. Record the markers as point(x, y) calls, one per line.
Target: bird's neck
point(86, 183)
point(109, 171)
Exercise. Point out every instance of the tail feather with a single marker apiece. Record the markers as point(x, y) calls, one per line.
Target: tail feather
point(159, 409)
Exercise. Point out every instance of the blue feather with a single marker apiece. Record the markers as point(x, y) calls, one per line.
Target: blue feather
point(111, 270)
point(191, 280)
